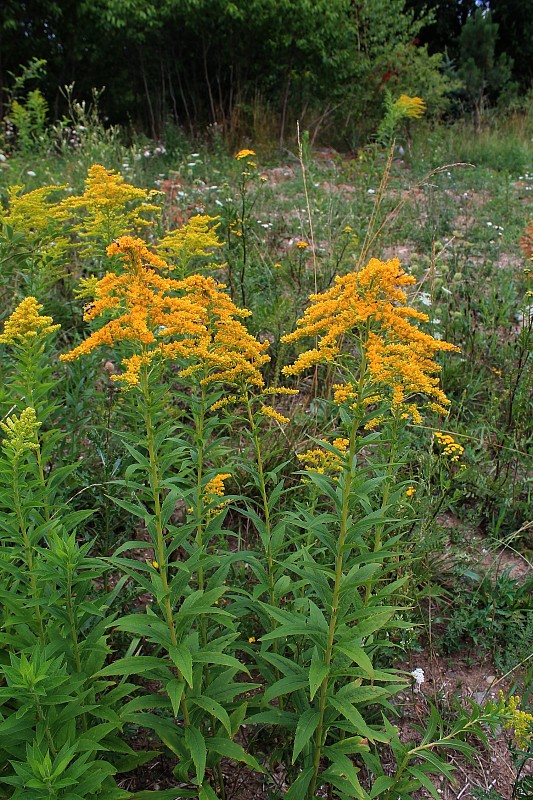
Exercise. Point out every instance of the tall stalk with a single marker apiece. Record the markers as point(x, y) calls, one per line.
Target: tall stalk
point(321, 733)
point(28, 549)
point(155, 487)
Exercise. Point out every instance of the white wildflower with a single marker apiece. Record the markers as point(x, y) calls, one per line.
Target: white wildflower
point(418, 675)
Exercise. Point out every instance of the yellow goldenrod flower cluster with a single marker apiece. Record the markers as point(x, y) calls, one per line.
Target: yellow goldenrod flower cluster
point(268, 411)
point(520, 722)
point(244, 154)
point(215, 487)
point(325, 461)
point(21, 432)
point(33, 212)
point(370, 306)
point(191, 320)
point(110, 206)
point(26, 323)
point(413, 107)
point(196, 238)
point(450, 448)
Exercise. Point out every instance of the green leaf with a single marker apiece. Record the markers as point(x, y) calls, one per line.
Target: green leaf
point(317, 672)
point(215, 709)
point(381, 784)
point(306, 727)
point(298, 790)
point(131, 508)
point(196, 745)
point(417, 773)
point(353, 716)
point(206, 793)
point(372, 624)
point(289, 684)
point(182, 659)
point(358, 656)
point(175, 691)
point(230, 749)
point(131, 665)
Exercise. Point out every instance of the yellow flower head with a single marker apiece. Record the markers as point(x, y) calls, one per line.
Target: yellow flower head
point(410, 491)
point(109, 206)
point(268, 411)
point(413, 107)
point(450, 448)
point(301, 245)
point(197, 238)
point(244, 154)
point(520, 722)
point(223, 351)
point(26, 323)
point(21, 432)
point(214, 489)
point(32, 213)
point(324, 461)
point(370, 306)
point(191, 320)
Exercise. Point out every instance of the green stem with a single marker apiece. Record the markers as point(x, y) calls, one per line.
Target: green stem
point(42, 719)
point(199, 423)
point(267, 541)
point(27, 545)
point(321, 733)
point(156, 495)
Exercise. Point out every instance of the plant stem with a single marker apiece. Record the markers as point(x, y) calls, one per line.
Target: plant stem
point(27, 545)
point(156, 495)
point(267, 539)
point(320, 735)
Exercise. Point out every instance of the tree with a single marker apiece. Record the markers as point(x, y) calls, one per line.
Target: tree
point(484, 75)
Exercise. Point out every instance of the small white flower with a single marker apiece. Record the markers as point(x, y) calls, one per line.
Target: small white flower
point(418, 675)
point(371, 191)
point(192, 163)
point(147, 154)
point(195, 155)
point(31, 173)
point(425, 298)
point(2, 157)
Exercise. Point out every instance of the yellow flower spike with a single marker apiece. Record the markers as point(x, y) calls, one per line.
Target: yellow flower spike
point(197, 238)
point(371, 305)
point(324, 461)
point(520, 722)
point(33, 212)
point(26, 323)
point(413, 107)
point(21, 432)
point(215, 487)
point(450, 448)
point(191, 319)
point(244, 154)
point(110, 207)
point(268, 411)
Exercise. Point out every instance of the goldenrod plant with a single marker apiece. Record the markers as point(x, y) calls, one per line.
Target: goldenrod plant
point(251, 608)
